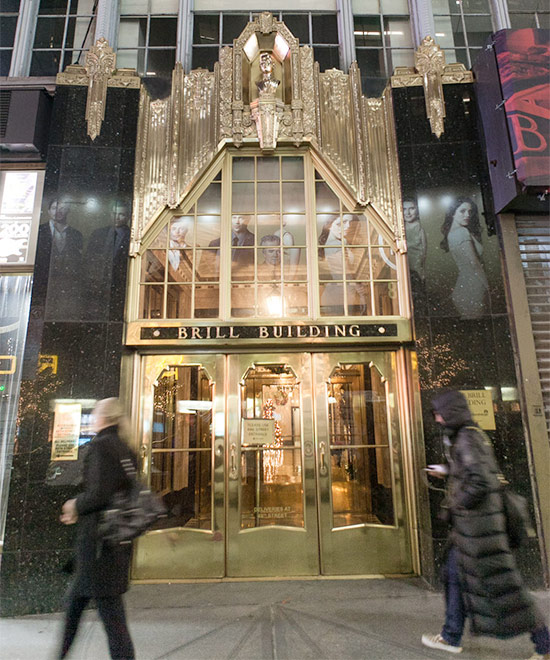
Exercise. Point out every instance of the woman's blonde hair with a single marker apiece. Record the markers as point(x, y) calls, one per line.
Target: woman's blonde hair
point(112, 413)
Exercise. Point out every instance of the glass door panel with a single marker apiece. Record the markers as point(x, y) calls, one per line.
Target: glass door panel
point(183, 460)
point(272, 523)
point(361, 507)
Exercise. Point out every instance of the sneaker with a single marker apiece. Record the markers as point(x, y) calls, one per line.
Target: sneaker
point(437, 642)
point(540, 656)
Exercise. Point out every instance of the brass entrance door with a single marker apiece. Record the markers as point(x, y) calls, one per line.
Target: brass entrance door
point(362, 515)
point(271, 516)
point(273, 465)
point(183, 434)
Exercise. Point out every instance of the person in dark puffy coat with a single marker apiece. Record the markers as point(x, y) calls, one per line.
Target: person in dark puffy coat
point(482, 581)
point(101, 571)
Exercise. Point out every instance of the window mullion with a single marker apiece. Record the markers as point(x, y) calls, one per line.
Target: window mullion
point(466, 43)
point(24, 39)
point(64, 39)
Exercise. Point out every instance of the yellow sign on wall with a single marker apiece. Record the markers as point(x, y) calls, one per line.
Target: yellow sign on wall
point(480, 403)
point(47, 362)
point(258, 431)
point(66, 431)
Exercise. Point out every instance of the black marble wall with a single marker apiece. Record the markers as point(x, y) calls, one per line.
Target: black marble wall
point(463, 335)
point(76, 315)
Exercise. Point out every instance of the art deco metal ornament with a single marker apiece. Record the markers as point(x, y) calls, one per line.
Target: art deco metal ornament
point(267, 91)
point(429, 60)
point(99, 65)
point(432, 73)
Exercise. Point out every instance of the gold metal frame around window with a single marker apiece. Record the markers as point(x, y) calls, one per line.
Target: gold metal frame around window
point(313, 162)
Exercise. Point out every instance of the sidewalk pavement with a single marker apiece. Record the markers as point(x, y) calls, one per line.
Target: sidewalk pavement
point(373, 619)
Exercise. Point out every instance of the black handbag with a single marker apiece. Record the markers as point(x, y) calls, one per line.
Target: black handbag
point(131, 512)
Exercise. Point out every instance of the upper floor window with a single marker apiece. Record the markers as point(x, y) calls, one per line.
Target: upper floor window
point(147, 36)
point(64, 31)
point(259, 255)
point(213, 30)
point(383, 40)
point(529, 14)
point(8, 22)
point(462, 28)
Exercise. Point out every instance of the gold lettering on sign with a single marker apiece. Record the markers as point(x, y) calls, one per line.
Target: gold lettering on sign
point(314, 331)
point(182, 333)
point(263, 332)
point(196, 333)
point(219, 334)
point(354, 331)
point(299, 331)
point(231, 335)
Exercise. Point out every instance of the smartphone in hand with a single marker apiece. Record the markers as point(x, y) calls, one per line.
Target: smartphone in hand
point(439, 470)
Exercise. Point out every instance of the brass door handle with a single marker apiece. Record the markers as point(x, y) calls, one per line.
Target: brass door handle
point(233, 471)
point(323, 467)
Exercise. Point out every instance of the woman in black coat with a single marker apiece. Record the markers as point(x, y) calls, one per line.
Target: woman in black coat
point(482, 581)
point(101, 572)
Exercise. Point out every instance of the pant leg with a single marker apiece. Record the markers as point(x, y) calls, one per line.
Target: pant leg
point(74, 607)
point(541, 639)
point(111, 611)
point(455, 615)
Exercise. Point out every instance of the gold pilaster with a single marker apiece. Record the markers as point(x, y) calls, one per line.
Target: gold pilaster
point(431, 72)
point(97, 75)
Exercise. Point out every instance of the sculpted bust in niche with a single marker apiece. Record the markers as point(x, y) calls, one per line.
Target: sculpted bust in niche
point(268, 85)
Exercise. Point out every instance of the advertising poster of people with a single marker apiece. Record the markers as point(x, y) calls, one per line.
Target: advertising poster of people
point(454, 263)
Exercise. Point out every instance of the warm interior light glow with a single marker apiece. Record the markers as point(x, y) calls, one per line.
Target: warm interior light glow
point(251, 47)
point(188, 406)
point(281, 48)
point(274, 305)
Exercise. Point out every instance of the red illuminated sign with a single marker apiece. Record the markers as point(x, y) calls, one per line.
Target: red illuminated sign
point(524, 66)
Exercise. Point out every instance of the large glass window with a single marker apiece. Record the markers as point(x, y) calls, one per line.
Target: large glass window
point(147, 36)
point(64, 31)
point(462, 28)
point(211, 31)
point(180, 270)
point(15, 299)
point(259, 257)
point(20, 198)
point(529, 14)
point(383, 41)
point(268, 235)
point(357, 269)
point(8, 24)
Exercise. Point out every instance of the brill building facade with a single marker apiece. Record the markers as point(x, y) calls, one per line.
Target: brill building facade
point(275, 234)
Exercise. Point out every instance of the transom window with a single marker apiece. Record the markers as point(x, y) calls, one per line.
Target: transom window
point(529, 14)
point(383, 40)
point(64, 31)
point(257, 255)
point(462, 28)
point(212, 30)
point(147, 36)
point(8, 22)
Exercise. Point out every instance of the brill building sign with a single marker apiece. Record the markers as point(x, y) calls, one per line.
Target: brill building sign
point(268, 332)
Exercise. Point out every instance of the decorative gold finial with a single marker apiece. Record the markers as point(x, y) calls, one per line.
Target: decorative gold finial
point(100, 64)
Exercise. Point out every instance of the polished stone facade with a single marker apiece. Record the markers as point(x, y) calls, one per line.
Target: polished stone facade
point(76, 315)
point(462, 327)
